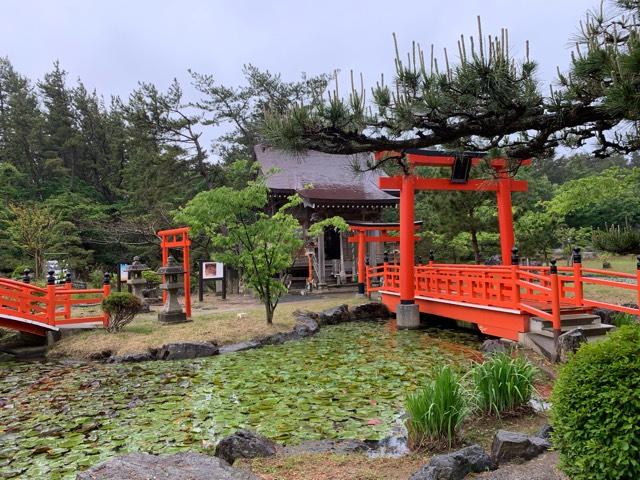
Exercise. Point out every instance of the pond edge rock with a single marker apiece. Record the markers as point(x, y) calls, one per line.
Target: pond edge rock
point(308, 323)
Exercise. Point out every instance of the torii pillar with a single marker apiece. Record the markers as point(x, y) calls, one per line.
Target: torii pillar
point(407, 312)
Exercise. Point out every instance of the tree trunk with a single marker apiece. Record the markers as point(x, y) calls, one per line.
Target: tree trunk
point(474, 246)
point(269, 311)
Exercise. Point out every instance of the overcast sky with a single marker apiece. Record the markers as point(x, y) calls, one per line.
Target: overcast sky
point(113, 44)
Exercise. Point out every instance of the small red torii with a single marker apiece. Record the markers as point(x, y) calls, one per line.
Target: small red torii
point(178, 238)
point(361, 238)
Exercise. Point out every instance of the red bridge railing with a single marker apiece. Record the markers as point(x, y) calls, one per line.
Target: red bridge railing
point(537, 290)
point(51, 306)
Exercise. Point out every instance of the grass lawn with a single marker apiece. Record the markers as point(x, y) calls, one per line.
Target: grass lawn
point(221, 325)
point(619, 263)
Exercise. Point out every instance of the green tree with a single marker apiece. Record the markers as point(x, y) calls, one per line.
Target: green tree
point(487, 100)
point(243, 236)
point(32, 229)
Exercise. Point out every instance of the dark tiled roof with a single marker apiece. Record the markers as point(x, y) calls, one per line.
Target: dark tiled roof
point(322, 177)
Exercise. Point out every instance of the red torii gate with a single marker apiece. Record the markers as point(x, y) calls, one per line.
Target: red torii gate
point(361, 237)
point(407, 184)
point(178, 238)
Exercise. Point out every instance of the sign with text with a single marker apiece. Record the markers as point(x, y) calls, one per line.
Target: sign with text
point(212, 270)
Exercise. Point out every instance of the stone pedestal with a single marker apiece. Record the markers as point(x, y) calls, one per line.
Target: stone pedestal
point(408, 316)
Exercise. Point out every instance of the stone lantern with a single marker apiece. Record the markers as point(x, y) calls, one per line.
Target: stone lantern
point(137, 281)
point(172, 310)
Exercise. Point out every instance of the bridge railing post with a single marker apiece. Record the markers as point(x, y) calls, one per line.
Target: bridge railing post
point(555, 300)
point(106, 291)
point(51, 298)
point(638, 280)
point(577, 277)
point(515, 265)
point(68, 285)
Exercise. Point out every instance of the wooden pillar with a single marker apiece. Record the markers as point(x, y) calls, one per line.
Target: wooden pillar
point(407, 242)
point(361, 262)
point(505, 216)
point(321, 261)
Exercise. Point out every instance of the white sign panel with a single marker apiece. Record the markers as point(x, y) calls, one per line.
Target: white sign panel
point(212, 270)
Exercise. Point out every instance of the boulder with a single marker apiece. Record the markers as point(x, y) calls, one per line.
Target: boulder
point(545, 432)
point(181, 351)
point(513, 445)
point(455, 465)
point(335, 315)
point(569, 342)
point(244, 444)
point(131, 358)
point(239, 347)
point(143, 466)
point(370, 311)
point(606, 315)
point(496, 346)
point(305, 328)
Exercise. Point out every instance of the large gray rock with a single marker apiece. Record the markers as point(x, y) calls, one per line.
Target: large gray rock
point(335, 315)
point(183, 466)
point(512, 445)
point(545, 432)
point(180, 351)
point(131, 358)
point(456, 465)
point(492, 346)
point(370, 311)
point(569, 342)
point(244, 444)
point(240, 347)
point(305, 326)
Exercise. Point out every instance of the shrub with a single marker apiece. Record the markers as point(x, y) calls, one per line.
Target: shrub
point(152, 277)
point(503, 383)
point(437, 410)
point(616, 239)
point(121, 307)
point(620, 319)
point(596, 409)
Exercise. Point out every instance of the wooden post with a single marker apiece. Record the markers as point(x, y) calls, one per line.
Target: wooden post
point(362, 272)
point(106, 291)
point(200, 281)
point(224, 282)
point(577, 277)
point(51, 298)
point(555, 300)
point(515, 264)
point(68, 285)
point(505, 216)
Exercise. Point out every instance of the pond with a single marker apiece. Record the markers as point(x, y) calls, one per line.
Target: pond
point(348, 381)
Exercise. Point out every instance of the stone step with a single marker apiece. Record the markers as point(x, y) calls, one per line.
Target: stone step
point(589, 330)
point(573, 319)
